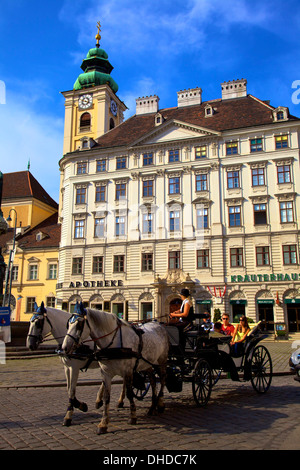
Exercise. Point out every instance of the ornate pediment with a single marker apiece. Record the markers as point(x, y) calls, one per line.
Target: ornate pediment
point(174, 130)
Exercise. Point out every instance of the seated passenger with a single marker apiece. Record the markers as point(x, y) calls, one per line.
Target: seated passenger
point(217, 327)
point(239, 335)
point(208, 320)
point(226, 328)
point(185, 315)
point(217, 330)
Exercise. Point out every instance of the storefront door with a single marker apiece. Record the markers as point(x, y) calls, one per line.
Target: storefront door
point(237, 311)
point(293, 314)
point(147, 313)
point(266, 316)
point(97, 306)
point(118, 309)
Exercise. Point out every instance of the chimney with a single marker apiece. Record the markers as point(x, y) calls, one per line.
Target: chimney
point(147, 104)
point(189, 97)
point(234, 89)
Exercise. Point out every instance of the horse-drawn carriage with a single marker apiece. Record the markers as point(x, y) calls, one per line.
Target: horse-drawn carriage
point(203, 356)
point(142, 354)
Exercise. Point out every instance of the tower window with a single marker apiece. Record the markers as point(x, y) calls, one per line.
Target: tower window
point(85, 121)
point(111, 123)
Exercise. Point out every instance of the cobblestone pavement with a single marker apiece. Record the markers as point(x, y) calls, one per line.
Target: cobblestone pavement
point(34, 402)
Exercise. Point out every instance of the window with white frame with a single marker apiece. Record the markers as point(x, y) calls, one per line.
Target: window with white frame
point(79, 226)
point(33, 272)
point(147, 222)
point(99, 227)
point(201, 182)
point(175, 221)
point(14, 273)
point(30, 301)
point(53, 271)
point(286, 212)
point(50, 302)
point(202, 218)
point(120, 225)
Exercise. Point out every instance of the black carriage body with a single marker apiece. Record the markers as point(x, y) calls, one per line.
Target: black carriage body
point(187, 349)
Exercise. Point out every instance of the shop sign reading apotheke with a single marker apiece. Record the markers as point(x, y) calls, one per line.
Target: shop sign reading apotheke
point(86, 284)
point(265, 277)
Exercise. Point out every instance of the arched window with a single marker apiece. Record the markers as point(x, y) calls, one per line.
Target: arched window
point(85, 121)
point(111, 123)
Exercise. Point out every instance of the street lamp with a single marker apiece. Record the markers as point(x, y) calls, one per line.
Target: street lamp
point(3, 229)
point(8, 279)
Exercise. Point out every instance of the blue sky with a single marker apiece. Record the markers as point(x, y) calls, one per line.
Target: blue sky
point(156, 47)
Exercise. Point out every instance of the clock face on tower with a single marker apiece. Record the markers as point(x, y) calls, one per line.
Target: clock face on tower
point(85, 101)
point(113, 107)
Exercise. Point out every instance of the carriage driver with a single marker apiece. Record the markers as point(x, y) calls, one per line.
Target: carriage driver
point(185, 315)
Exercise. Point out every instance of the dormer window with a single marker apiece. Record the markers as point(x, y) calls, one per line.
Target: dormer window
point(40, 236)
point(208, 110)
point(158, 119)
point(280, 114)
point(86, 143)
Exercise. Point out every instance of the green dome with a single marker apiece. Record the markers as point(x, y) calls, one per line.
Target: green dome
point(97, 69)
point(95, 78)
point(97, 52)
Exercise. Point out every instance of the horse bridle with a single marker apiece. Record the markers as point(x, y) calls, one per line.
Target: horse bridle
point(83, 319)
point(80, 321)
point(40, 317)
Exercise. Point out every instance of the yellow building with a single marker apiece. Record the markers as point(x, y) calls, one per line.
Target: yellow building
point(35, 263)
point(23, 193)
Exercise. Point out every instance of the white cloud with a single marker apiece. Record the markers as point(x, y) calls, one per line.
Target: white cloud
point(161, 25)
point(30, 135)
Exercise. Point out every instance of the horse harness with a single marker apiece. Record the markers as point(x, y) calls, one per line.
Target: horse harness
point(108, 352)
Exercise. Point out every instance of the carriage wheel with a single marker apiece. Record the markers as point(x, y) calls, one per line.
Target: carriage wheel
point(261, 369)
point(202, 382)
point(140, 392)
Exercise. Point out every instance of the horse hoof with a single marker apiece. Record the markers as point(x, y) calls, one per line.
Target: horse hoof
point(67, 422)
point(83, 407)
point(120, 405)
point(99, 404)
point(101, 430)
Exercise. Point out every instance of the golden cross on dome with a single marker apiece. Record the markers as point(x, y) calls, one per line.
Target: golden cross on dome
point(98, 37)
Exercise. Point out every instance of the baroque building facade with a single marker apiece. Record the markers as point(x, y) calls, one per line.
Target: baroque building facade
point(31, 243)
point(204, 195)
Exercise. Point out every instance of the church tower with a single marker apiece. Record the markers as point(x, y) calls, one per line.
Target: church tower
point(92, 107)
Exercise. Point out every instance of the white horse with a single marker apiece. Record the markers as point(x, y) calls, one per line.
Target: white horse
point(53, 321)
point(150, 344)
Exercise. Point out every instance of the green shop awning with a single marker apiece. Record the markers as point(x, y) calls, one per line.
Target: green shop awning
point(292, 301)
point(238, 302)
point(265, 301)
point(201, 302)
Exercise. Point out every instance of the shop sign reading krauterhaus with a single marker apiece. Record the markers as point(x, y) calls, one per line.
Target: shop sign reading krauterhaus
point(265, 277)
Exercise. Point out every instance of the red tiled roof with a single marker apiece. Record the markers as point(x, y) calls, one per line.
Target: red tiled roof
point(22, 184)
point(50, 229)
point(228, 114)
